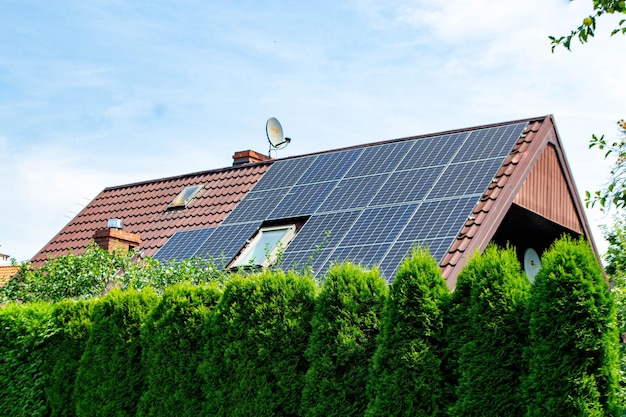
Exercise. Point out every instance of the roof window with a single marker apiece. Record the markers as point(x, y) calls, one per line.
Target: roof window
point(264, 248)
point(184, 197)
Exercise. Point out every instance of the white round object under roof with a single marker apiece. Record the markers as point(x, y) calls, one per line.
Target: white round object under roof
point(532, 263)
point(274, 132)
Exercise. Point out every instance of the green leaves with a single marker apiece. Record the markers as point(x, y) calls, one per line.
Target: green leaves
point(588, 27)
point(343, 340)
point(406, 377)
point(573, 346)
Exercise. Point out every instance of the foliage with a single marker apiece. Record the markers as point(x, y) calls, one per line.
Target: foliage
point(490, 365)
point(23, 332)
point(255, 362)
point(406, 376)
point(615, 267)
point(110, 377)
point(614, 194)
point(573, 345)
point(588, 27)
point(72, 320)
point(96, 272)
point(457, 333)
point(345, 324)
point(172, 346)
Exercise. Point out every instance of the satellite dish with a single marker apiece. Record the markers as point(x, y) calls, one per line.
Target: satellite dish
point(275, 134)
point(532, 263)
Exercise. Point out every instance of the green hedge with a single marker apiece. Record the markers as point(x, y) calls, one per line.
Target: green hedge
point(490, 362)
point(573, 349)
point(255, 362)
point(110, 378)
point(24, 330)
point(172, 340)
point(343, 340)
point(406, 377)
point(72, 321)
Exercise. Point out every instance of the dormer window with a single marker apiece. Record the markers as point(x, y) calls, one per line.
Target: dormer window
point(184, 197)
point(265, 247)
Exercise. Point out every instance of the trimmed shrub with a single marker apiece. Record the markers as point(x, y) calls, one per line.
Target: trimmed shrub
point(72, 322)
point(490, 365)
point(255, 355)
point(172, 345)
point(406, 378)
point(573, 346)
point(109, 380)
point(457, 334)
point(23, 332)
point(343, 341)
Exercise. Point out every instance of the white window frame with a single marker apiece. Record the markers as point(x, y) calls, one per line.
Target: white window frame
point(243, 259)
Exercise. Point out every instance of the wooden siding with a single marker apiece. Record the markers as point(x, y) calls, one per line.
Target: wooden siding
point(545, 192)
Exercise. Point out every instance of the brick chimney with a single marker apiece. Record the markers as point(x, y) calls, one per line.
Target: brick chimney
point(248, 157)
point(114, 237)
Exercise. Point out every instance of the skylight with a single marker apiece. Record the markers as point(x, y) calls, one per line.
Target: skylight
point(184, 197)
point(265, 246)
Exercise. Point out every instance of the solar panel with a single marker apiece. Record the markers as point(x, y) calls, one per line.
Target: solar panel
point(256, 205)
point(353, 193)
point(378, 225)
point(284, 173)
point(330, 166)
point(369, 205)
point(407, 186)
point(433, 151)
point(494, 142)
point(379, 159)
point(302, 200)
point(226, 241)
point(183, 244)
point(437, 219)
point(399, 251)
point(306, 260)
point(366, 256)
point(325, 230)
point(467, 178)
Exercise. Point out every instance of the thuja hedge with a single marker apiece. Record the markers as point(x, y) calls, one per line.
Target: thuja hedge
point(255, 362)
point(573, 347)
point(23, 332)
point(270, 344)
point(72, 321)
point(343, 339)
point(110, 374)
point(490, 362)
point(406, 377)
point(172, 343)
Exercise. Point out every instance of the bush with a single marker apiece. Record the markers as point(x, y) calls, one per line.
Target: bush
point(110, 378)
point(255, 355)
point(457, 334)
point(490, 365)
point(63, 351)
point(23, 332)
point(574, 366)
point(172, 345)
point(343, 340)
point(406, 377)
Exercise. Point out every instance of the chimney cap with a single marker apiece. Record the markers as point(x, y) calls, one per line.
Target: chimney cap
point(115, 224)
point(248, 157)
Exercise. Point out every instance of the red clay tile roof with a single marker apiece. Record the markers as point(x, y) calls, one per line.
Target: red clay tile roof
point(143, 208)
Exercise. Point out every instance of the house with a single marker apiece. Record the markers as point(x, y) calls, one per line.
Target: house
point(453, 191)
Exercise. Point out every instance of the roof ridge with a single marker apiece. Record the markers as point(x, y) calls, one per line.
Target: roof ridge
point(191, 174)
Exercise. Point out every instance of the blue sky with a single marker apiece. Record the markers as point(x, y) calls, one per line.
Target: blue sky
point(102, 93)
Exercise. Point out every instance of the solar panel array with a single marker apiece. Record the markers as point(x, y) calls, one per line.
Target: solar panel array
point(369, 205)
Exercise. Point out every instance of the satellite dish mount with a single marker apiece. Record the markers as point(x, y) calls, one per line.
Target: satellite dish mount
point(275, 135)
